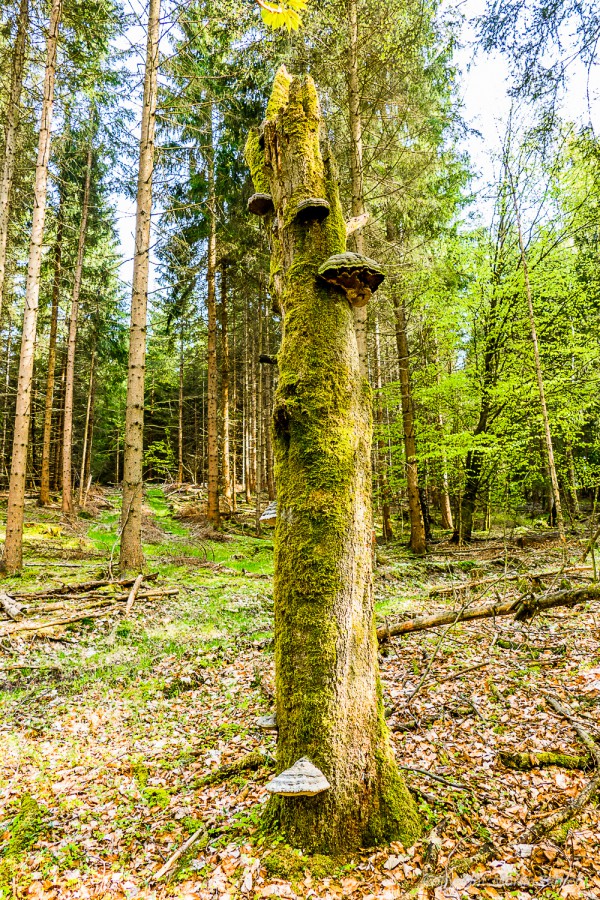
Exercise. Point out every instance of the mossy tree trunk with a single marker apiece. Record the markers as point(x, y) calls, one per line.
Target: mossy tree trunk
point(329, 705)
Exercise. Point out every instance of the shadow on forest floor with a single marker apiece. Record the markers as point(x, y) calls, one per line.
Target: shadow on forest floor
point(109, 726)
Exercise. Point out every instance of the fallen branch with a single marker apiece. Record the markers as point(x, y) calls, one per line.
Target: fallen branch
point(522, 607)
point(133, 594)
point(37, 625)
point(548, 823)
point(13, 610)
point(525, 760)
point(164, 870)
point(84, 587)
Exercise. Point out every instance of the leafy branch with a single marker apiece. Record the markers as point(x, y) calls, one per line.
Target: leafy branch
point(282, 13)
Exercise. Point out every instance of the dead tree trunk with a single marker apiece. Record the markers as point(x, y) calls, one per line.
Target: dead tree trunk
point(329, 705)
point(10, 134)
point(180, 407)
point(13, 547)
point(67, 489)
point(131, 555)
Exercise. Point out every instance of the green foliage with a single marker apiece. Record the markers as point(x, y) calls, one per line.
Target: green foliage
point(282, 13)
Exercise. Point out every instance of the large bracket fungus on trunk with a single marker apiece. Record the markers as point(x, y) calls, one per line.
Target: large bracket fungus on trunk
point(329, 706)
point(358, 276)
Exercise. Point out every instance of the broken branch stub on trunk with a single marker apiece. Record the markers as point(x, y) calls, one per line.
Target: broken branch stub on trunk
point(329, 708)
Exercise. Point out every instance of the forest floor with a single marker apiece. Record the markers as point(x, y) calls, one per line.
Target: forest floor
point(110, 725)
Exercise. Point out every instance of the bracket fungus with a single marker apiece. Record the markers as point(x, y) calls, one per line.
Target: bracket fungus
point(269, 516)
point(313, 209)
point(301, 780)
point(267, 723)
point(261, 204)
point(358, 276)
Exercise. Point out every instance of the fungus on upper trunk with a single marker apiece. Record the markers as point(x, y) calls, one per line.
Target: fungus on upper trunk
point(358, 276)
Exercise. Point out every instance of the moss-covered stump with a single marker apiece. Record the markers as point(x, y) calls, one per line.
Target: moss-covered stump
point(329, 706)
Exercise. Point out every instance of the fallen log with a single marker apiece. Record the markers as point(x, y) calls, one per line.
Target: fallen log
point(524, 760)
point(521, 607)
point(83, 587)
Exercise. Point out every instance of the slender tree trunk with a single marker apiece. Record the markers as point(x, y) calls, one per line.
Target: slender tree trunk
point(131, 555)
point(418, 543)
point(445, 507)
point(356, 164)
point(44, 498)
point(259, 418)
point(213, 374)
point(572, 479)
point(13, 548)
point(329, 706)
point(268, 417)
point(10, 135)
point(60, 406)
point(67, 486)
point(538, 370)
point(234, 421)
point(384, 489)
point(6, 396)
point(180, 422)
point(86, 430)
point(225, 466)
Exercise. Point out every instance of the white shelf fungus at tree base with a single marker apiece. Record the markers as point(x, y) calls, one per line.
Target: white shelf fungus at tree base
point(267, 723)
point(358, 276)
point(301, 780)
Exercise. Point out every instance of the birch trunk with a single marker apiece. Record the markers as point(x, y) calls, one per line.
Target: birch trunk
point(13, 547)
point(131, 554)
point(213, 374)
point(10, 135)
point(329, 705)
point(44, 498)
point(67, 481)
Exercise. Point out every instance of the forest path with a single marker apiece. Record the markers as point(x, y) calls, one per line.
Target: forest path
point(108, 728)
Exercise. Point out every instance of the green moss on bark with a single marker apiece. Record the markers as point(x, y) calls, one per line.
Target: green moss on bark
point(325, 644)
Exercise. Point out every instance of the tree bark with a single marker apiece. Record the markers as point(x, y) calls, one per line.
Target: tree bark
point(329, 705)
point(356, 165)
point(384, 488)
point(258, 419)
point(213, 374)
point(180, 418)
point(267, 417)
point(225, 465)
point(67, 485)
point(131, 555)
point(44, 498)
point(10, 135)
point(418, 543)
point(87, 431)
point(13, 547)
